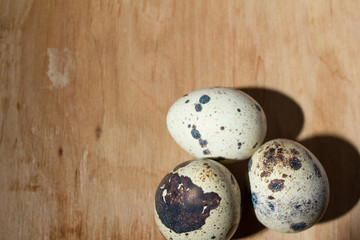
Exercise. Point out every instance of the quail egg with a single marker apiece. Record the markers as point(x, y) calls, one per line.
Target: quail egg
point(199, 199)
point(289, 186)
point(218, 123)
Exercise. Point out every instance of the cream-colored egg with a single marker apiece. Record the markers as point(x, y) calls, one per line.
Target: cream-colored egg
point(199, 199)
point(217, 123)
point(289, 186)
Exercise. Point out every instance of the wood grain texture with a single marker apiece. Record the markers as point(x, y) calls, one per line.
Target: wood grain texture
point(85, 87)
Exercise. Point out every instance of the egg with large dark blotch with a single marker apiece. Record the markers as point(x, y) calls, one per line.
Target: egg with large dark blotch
point(217, 122)
point(289, 186)
point(199, 199)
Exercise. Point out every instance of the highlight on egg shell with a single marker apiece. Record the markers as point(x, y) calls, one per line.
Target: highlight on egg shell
point(198, 199)
point(289, 186)
point(217, 122)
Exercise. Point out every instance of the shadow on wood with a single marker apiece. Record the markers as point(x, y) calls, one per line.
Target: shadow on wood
point(284, 116)
point(285, 119)
point(340, 158)
point(249, 225)
point(341, 162)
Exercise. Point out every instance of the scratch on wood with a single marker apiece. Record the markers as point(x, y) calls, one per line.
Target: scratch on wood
point(259, 70)
point(333, 70)
point(83, 170)
point(2, 132)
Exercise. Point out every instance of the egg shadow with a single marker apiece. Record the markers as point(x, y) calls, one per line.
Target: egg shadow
point(341, 161)
point(284, 116)
point(249, 224)
point(285, 119)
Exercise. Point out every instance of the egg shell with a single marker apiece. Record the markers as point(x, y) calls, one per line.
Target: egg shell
point(217, 122)
point(199, 199)
point(289, 186)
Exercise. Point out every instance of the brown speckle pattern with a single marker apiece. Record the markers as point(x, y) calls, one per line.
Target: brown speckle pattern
point(291, 185)
point(221, 118)
point(199, 199)
point(276, 185)
point(181, 205)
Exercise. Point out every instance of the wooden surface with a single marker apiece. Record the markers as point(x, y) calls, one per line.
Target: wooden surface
point(86, 85)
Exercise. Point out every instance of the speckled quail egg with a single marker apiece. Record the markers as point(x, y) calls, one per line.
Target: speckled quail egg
point(217, 122)
point(289, 186)
point(199, 199)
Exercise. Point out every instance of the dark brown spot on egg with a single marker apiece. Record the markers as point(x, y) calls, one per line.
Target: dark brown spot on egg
point(276, 185)
point(271, 197)
point(206, 152)
point(183, 206)
point(284, 175)
point(202, 142)
point(272, 207)
point(264, 174)
point(198, 107)
point(294, 151)
point(250, 164)
point(195, 133)
point(204, 99)
point(317, 171)
point(297, 227)
point(258, 107)
point(207, 165)
point(254, 199)
point(295, 163)
point(222, 128)
point(255, 145)
point(232, 180)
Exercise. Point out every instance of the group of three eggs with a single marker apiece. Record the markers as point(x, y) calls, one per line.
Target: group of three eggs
point(200, 198)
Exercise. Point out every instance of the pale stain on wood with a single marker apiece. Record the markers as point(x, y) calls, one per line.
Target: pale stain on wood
point(61, 63)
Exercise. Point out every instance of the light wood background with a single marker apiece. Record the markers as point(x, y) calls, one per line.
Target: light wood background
point(86, 85)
